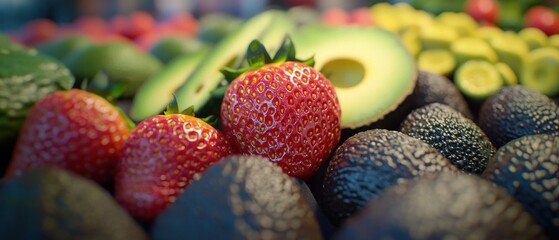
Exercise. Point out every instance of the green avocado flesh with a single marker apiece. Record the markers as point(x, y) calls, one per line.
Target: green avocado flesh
point(541, 71)
point(152, 97)
point(270, 27)
point(370, 68)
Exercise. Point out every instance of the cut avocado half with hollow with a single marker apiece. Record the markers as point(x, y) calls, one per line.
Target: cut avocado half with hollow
point(154, 94)
point(197, 88)
point(541, 71)
point(369, 67)
point(478, 79)
point(439, 61)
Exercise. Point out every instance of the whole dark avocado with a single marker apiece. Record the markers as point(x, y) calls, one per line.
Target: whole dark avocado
point(443, 206)
point(51, 203)
point(528, 167)
point(456, 137)
point(436, 88)
point(517, 111)
point(240, 197)
point(371, 161)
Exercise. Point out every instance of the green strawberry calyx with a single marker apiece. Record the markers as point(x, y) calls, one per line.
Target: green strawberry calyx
point(173, 108)
point(257, 56)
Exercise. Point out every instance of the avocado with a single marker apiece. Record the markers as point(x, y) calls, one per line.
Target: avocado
point(534, 37)
point(440, 61)
point(370, 161)
point(472, 48)
point(478, 79)
point(370, 68)
point(51, 203)
point(157, 91)
point(541, 71)
point(239, 197)
point(269, 27)
point(443, 206)
point(517, 111)
point(527, 168)
point(171, 47)
point(25, 77)
point(435, 88)
point(456, 137)
point(121, 61)
point(59, 48)
point(215, 26)
point(510, 49)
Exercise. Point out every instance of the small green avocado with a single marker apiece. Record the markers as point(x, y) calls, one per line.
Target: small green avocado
point(59, 48)
point(528, 167)
point(517, 111)
point(456, 137)
point(369, 162)
point(435, 88)
point(51, 203)
point(443, 206)
point(240, 197)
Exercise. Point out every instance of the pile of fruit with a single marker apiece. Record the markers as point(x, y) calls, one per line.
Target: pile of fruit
point(383, 122)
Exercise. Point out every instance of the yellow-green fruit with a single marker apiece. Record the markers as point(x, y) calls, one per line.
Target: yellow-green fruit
point(510, 49)
point(471, 48)
point(534, 37)
point(478, 79)
point(553, 41)
point(462, 22)
point(410, 38)
point(506, 73)
point(541, 71)
point(488, 32)
point(384, 16)
point(438, 36)
point(438, 61)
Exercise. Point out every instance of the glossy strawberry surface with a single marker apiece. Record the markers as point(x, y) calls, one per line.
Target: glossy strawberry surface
point(76, 130)
point(163, 154)
point(287, 112)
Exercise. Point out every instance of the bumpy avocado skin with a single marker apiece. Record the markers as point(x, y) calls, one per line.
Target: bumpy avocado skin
point(240, 197)
point(435, 88)
point(517, 111)
point(51, 203)
point(528, 167)
point(443, 206)
point(457, 138)
point(371, 161)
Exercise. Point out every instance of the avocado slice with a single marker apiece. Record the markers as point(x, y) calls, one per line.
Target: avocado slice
point(510, 49)
point(369, 67)
point(440, 61)
point(156, 92)
point(461, 21)
point(516, 111)
point(239, 197)
point(506, 73)
point(472, 48)
point(52, 203)
point(541, 71)
point(443, 206)
point(269, 27)
point(438, 36)
point(478, 79)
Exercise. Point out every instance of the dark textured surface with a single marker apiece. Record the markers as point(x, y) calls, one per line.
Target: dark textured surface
point(369, 162)
point(435, 88)
point(456, 137)
point(51, 203)
point(443, 206)
point(240, 197)
point(517, 111)
point(528, 167)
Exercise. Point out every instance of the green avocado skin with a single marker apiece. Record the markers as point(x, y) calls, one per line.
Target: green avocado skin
point(51, 203)
point(443, 206)
point(240, 197)
point(369, 162)
point(517, 111)
point(528, 168)
point(456, 137)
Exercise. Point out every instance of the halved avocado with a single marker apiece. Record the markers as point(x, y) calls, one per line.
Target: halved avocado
point(154, 94)
point(541, 71)
point(370, 69)
point(269, 27)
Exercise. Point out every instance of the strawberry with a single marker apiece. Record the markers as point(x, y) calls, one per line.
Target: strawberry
point(163, 154)
point(74, 129)
point(282, 109)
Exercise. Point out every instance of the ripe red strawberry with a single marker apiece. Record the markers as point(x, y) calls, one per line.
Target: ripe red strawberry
point(163, 154)
point(284, 110)
point(76, 130)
